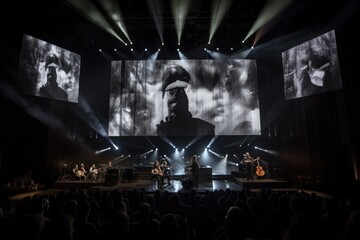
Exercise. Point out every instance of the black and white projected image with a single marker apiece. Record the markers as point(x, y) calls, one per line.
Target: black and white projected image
point(312, 67)
point(48, 71)
point(185, 97)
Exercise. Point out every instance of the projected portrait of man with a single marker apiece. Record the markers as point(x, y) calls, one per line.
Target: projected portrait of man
point(180, 121)
point(51, 89)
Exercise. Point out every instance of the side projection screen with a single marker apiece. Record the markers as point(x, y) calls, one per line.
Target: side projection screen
point(184, 98)
point(312, 67)
point(48, 71)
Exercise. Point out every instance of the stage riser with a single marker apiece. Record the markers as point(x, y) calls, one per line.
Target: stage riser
point(262, 184)
point(76, 185)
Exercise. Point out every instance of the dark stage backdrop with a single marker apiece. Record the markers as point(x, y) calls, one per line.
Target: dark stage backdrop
point(41, 61)
point(222, 92)
point(312, 67)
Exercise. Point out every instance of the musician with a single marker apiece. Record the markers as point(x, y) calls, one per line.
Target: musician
point(165, 168)
point(109, 166)
point(195, 170)
point(93, 171)
point(79, 172)
point(157, 174)
point(248, 161)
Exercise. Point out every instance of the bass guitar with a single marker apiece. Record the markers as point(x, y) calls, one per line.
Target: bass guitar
point(259, 169)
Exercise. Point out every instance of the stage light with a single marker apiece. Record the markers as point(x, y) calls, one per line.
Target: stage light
point(162, 44)
point(178, 43)
point(209, 42)
point(255, 147)
point(177, 49)
point(231, 49)
point(131, 49)
point(115, 49)
point(125, 44)
point(102, 150)
point(243, 41)
point(159, 50)
point(252, 47)
point(156, 149)
point(100, 50)
point(131, 43)
point(205, 49)
point(116, 147)
point(145, 49)
point(217, 49)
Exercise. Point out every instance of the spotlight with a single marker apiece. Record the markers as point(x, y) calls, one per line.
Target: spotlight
point(231, 49)
point(209, 42)
point(243, 41)
point(125, 44)
point(145, 49)
point(177, 49)
point(217, 49)
point(162, 44)
point(131, 49)
point(100, 50)
point(205, 49)
point(252, 47)
point(131, 43)
point(179, 43)
point(115, 49)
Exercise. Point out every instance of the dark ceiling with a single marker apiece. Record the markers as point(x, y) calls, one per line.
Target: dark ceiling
point(63, 25)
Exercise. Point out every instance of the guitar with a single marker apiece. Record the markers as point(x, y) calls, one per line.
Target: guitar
point(259, 170)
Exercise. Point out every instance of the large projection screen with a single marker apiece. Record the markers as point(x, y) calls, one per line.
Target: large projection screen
point(311, 67)
point(220, 95)
point(48, 71)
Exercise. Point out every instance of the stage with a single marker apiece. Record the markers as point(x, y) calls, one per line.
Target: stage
point(178, 183)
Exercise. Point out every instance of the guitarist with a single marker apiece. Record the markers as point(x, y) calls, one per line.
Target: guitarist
point(248, 161)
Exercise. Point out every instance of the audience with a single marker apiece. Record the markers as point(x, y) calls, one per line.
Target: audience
point(219, 214)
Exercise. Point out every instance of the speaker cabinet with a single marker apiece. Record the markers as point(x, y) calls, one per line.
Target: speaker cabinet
point(111, 179)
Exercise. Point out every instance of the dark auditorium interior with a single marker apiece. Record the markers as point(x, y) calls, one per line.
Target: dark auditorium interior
point(250, 69)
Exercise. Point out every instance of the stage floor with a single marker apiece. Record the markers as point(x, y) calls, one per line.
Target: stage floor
point(225, 182)
point(235, 184)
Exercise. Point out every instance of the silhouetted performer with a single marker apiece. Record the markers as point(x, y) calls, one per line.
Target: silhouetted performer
point(180, 122)
point(249, 165)
point(51, 88)
point(195, 170)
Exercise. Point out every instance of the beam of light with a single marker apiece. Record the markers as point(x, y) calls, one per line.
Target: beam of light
point(146, 153)
point(154, 55)
point(167, 140)
point(182, 56)
point(194, 140)
point(114, 12)
point(150, 142)
point(156, 10)
point(102, 150)
point(120, 159)
point(242, 54)
point(180, 9)
point(30, 108)
point(106, 56)
point(89, 117)
point(216, 55)
point(215, 153)
point(271, 9)
point(212, 140)
point(272, 152)
point(92, 13)
point(218, 10)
